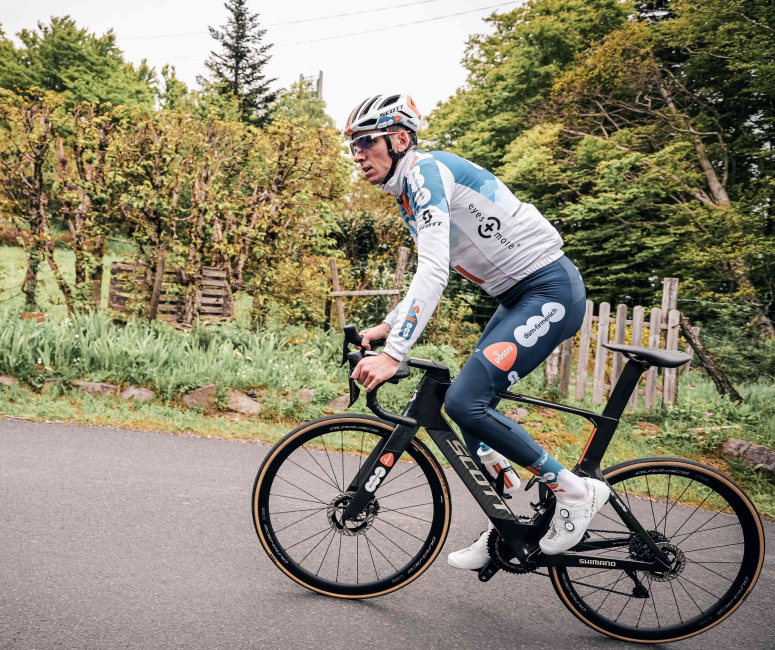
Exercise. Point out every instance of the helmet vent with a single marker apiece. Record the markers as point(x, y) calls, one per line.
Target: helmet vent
point(366, 123)
point(368, 104)
point(390, 100)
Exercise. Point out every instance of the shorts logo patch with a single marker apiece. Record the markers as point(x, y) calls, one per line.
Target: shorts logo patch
point(501, 355)
point(387, 460)
point(536, 326)
point(415, 311)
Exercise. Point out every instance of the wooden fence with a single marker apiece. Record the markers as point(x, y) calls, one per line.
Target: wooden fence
point(135, 289)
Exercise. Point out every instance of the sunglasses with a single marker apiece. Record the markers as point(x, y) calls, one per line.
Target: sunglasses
point(365, 142)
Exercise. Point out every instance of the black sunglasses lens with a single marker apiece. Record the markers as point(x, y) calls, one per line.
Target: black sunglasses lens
point(363, 143)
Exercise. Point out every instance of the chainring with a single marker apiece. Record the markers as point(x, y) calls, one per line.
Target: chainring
point(499, 551)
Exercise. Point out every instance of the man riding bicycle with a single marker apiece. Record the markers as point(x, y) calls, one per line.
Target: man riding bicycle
point(461, 215)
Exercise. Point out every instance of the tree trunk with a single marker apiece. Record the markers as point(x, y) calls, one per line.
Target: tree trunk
point(30, 284)
point(709, 362)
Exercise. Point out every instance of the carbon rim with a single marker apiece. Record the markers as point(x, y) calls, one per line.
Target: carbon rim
point(302, 488)
point(708, 526)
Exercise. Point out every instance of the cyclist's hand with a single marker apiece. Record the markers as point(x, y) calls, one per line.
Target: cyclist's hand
point(372, 371)
point(374, 334)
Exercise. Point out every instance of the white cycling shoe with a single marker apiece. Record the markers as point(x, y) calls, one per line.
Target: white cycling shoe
point(474, 557)
point(570, 522)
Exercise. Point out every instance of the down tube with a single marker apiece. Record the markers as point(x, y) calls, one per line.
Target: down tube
point(467, 469)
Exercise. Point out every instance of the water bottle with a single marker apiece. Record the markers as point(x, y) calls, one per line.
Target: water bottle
point(494, 462)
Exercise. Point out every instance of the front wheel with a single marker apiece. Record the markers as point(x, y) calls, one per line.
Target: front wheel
point(701, 520)
point(304, 485)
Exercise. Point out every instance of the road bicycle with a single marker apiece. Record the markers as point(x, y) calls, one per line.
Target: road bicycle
point(356, 506)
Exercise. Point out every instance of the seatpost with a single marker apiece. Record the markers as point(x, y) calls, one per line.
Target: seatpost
point(627, 383)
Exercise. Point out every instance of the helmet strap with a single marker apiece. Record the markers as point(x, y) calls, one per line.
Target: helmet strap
point(395, 156)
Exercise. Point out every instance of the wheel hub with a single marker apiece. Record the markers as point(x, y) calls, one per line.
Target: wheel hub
point(640, 551)
point(358, 526)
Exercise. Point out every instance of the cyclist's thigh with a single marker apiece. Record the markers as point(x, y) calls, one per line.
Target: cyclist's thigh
point(523, 339)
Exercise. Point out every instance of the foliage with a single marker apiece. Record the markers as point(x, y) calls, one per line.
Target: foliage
point(301, 100)
point(239, 70)
point(81, 66)
point(644, 138)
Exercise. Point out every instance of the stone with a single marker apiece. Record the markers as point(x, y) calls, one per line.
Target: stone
point(517, 414)
point(306, 395)
point(751, 454)
point(137, 393)
point(95, 388)
point(203, 397)
point(241, 403)
point(339, 404)
point(50, 382)
point(8, 381)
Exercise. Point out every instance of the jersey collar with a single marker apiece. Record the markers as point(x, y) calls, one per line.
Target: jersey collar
point(395, 185)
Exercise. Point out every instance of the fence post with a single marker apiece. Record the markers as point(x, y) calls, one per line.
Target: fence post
point(335, 281)
point(637, 339)
point(670, 375)
point(566, 355)
point(398, 279)
point(157, 280)
point(669, 298)
point(598, 380)
point(619, 333)
point(581, 371)
point(689, 350)
point(655, 329)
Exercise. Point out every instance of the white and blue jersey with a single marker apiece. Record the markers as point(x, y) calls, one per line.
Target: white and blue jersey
point(461, 216)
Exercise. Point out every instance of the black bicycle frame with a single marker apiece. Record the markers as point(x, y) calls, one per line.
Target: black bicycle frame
point(424, 410)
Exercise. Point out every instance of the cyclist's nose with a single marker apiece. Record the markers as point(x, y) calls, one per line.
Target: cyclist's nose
point(359, 157)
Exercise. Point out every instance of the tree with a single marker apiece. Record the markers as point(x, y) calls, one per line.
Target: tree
point(81, 66)
point(301, 100)
point(28, 124)
point(239, 70)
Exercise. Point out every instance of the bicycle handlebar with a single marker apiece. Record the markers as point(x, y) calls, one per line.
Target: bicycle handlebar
point(354, 357)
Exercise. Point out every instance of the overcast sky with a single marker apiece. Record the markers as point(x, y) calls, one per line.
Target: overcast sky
point(421, 59)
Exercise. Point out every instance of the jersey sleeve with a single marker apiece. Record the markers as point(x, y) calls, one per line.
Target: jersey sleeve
point(427, 194)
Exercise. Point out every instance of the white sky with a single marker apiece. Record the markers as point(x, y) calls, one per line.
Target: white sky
point(422, 59)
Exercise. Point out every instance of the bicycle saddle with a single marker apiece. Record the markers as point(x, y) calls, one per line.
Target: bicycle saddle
point(659, 358)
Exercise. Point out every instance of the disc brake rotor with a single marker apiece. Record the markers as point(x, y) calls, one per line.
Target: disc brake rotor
point(358, 526)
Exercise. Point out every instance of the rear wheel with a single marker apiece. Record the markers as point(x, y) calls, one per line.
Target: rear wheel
point(702, 521)
point(305, 483)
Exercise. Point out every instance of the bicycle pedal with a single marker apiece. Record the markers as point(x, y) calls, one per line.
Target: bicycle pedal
point(488, 571)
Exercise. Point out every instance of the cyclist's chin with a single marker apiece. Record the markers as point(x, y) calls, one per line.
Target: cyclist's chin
point(374, 177)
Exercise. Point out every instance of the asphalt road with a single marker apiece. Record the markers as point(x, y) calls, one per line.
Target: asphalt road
point(130, 539)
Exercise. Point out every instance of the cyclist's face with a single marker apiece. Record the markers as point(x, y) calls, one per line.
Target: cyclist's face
point(376, 162)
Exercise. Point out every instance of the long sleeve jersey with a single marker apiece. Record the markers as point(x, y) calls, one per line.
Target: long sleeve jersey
point(461, 216)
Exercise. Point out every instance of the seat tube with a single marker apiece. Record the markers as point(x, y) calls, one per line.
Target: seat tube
point(627, 383)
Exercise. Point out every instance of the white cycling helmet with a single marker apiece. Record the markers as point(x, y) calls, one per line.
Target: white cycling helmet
point(382, 111)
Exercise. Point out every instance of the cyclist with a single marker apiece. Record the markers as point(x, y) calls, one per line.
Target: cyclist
point(462, 216)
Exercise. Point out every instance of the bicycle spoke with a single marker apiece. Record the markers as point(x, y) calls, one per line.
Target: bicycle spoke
point(609, 593)
point(698, 586)
point(376, 548)
point(326, 553)
point(279, 530)
point(677, 607)
point(667, 502)
point(344, 481)
point(690, 596)
point(651, 503)
point(309, 453)
point(653, 601)
point(283, 496)
point(313, 474)
point(322, 439)
point(711, 570)
point(391, 541)
point(338, 559)
point(394, 477)
point(692, 515)
point(298, 488)
point(314, 547)
point(400, 491)
point(707, 548)
point(680, 496)
point(286, 512)
point(403, 514)
point(368, 546)
point(327, 528)
point(406, 532)
point(687, 536)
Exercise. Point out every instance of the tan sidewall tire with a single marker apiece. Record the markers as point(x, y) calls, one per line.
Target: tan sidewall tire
point(555, 575)
point(355, 420)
